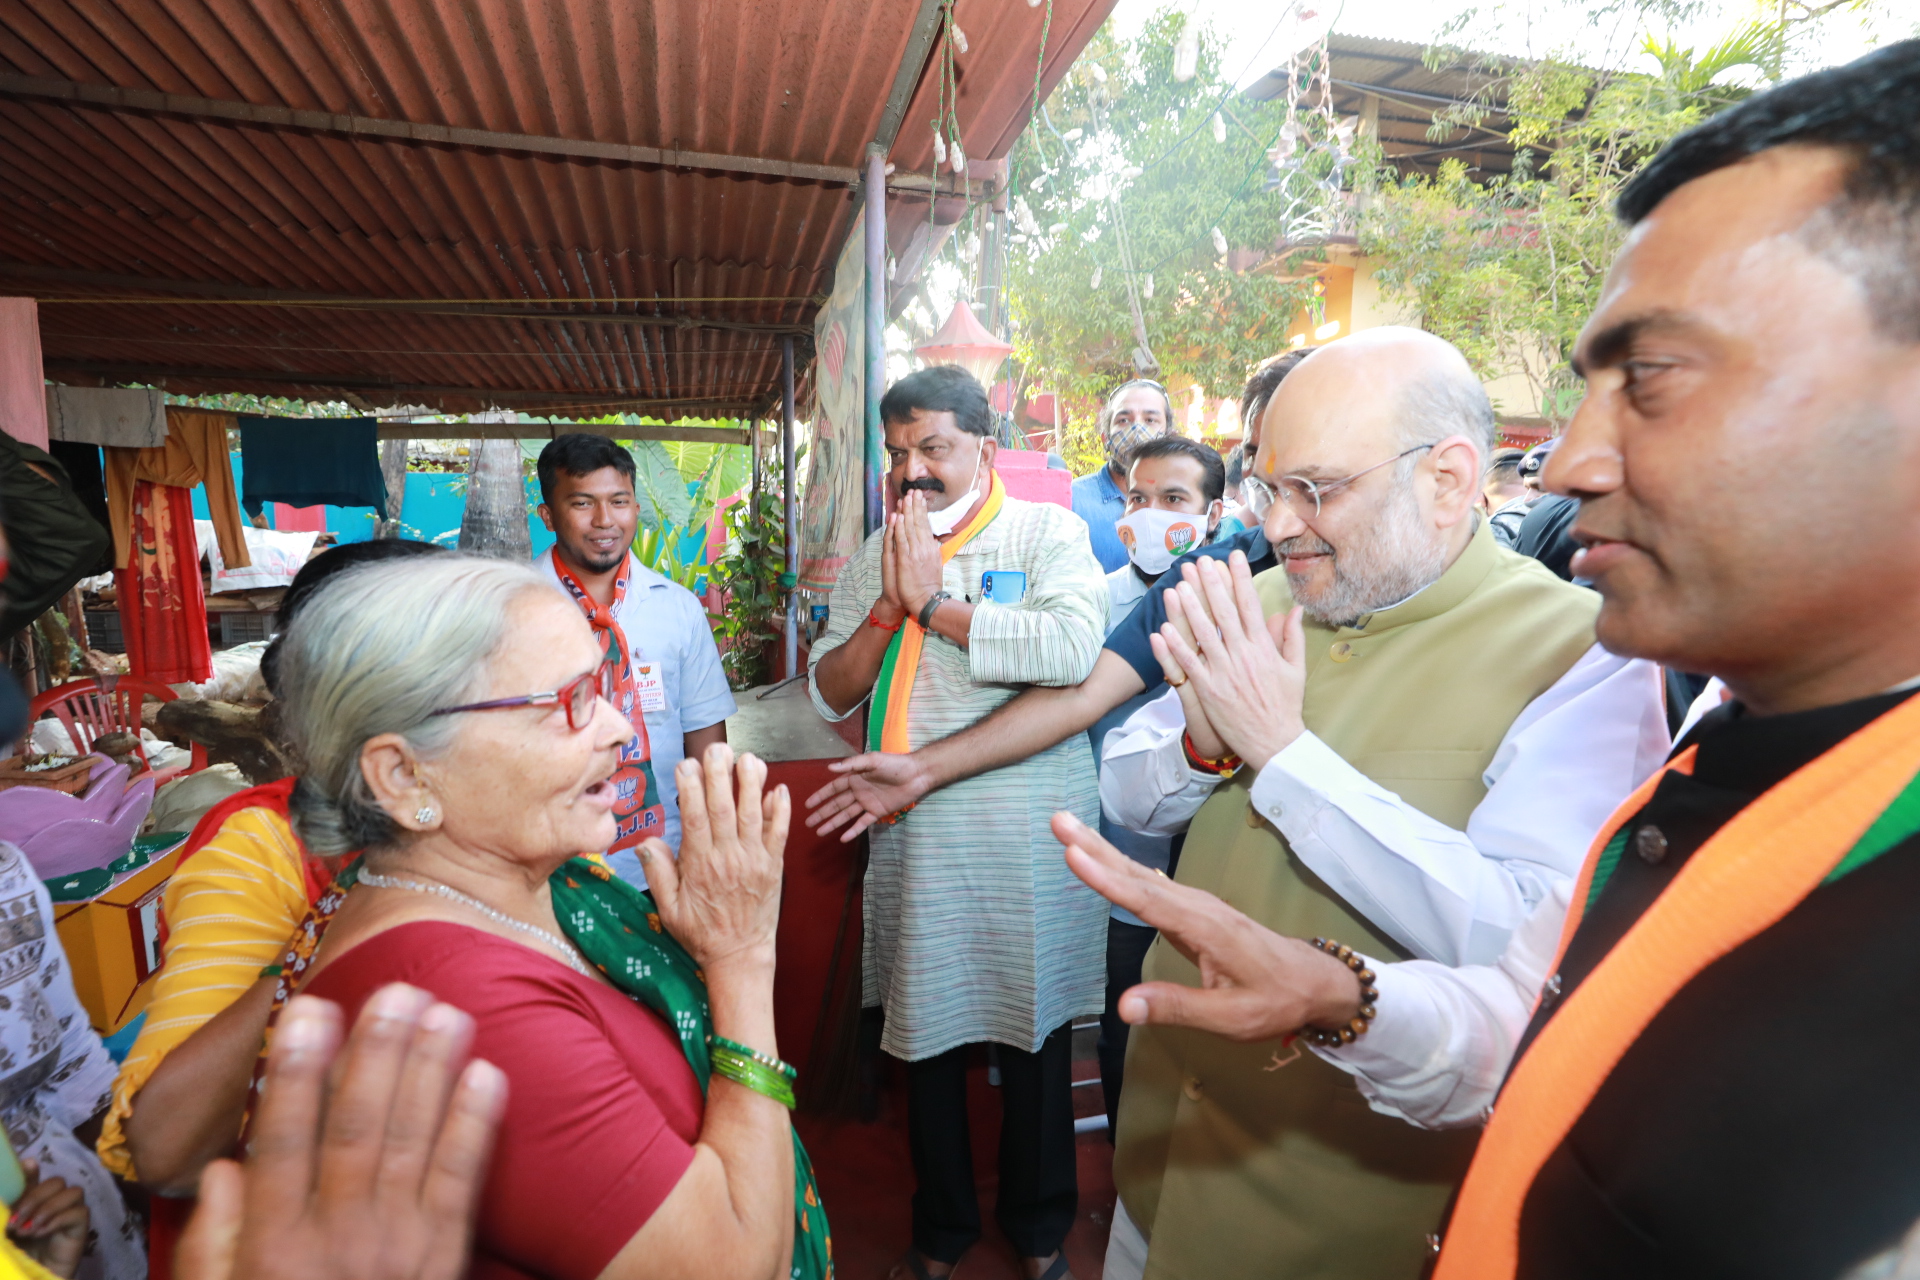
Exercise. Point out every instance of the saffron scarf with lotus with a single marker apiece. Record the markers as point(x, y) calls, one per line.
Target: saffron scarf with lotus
point(637, 811)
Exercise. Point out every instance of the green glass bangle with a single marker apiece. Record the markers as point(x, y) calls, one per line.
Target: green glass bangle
point(766, 1060)
point(751, 1074)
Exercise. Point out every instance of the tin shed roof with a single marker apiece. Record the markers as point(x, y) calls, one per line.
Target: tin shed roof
point(562, 206)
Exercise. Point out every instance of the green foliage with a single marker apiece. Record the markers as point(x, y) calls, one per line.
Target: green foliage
point(677, 484)
point(1122, 183)
point(658, 548)
point(269, 406)
point(1509, 269)
point(750, 574)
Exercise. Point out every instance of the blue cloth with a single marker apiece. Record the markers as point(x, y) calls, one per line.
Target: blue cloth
point(1129, 639)
point(1099, 501)
point(311, 462)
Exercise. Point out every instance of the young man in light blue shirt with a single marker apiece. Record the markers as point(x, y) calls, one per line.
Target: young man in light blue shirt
point(586, 490)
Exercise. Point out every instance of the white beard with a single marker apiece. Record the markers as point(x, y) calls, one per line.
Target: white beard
point(1402, 556)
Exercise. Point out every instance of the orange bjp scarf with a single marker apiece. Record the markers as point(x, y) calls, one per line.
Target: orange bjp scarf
point(1837, 812)
point(638, 810)
point(887, 721)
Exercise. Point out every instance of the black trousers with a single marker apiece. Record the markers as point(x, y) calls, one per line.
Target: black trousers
point(1126, 951)
point(1039, 1186)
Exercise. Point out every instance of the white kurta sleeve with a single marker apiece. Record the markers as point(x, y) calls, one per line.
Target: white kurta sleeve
point(1146, 784)
point(1568, 760)
point(854, 593)
point(1444, 1038)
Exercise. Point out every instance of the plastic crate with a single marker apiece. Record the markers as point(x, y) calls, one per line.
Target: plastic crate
point(245, 628)
point(103, 631)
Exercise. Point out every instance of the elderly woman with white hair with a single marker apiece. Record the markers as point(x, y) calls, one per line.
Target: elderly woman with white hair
point(449, 719)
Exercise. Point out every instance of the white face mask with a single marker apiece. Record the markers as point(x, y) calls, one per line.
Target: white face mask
point(947, 518)
point(1154, 538)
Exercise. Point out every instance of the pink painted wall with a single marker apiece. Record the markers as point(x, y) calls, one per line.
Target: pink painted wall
point(23, 382)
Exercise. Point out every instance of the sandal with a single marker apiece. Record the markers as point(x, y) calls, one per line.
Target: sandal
point(1058, 1271)
point(915, 1267)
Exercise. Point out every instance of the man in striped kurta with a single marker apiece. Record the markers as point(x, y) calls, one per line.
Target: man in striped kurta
point(975, 931)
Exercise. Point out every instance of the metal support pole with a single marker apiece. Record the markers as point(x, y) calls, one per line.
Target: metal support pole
point(791, 578)
point(876, 227)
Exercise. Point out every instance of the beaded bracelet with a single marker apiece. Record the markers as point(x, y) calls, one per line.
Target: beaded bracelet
point(767, 1060)
point(1357, 1027)
point(751, 1073)
point(1225, 767)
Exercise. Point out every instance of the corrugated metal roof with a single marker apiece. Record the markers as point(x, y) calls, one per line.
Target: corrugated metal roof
point(428, 272)
point(1393, 74)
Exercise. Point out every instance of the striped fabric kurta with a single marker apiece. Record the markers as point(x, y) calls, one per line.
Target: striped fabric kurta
point(974, 928)
point(230, 910)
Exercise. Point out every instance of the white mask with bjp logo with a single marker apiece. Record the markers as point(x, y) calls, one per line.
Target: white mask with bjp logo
point(1155, 538)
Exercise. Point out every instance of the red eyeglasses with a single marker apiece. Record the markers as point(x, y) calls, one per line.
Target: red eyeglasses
point(577, 696)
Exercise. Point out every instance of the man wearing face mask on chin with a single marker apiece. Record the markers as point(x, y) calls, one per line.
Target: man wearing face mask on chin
point(975, 931)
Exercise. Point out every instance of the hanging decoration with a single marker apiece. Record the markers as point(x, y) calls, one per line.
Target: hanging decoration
point(1186, 50)
point(1314, 149)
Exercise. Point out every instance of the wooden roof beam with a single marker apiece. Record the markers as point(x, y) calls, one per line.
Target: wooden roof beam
point(114, 98)
point(214, 292)
point(133, 371)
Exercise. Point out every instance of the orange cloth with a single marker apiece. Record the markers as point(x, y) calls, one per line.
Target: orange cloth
point(1752, 872)
point(195, 453)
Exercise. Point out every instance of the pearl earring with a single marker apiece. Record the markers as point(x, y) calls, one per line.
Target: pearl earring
point(423, 815)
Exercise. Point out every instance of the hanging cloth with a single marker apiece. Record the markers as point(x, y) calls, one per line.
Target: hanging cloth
point(195, 453)
point(163, 608)
point(887, 721)
point(1832, 816)
point(638, 812)
point(312, 462)
point(53, 541)
point(128, 418)
point(617, 928)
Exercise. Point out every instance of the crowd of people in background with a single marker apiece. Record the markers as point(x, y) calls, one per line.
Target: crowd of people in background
point(1435, 910)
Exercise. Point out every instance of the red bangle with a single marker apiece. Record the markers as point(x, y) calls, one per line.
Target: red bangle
point(875, 622)
point(1225, 767)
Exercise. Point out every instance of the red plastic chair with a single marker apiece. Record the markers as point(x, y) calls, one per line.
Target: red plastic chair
point(96, 706)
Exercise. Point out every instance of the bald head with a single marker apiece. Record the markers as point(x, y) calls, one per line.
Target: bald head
point(1386, 389)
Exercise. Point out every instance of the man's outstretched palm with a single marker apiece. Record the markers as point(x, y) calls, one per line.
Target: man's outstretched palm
point(871, 788)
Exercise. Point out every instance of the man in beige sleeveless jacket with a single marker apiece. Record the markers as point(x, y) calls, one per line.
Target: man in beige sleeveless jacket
point(1375, 776)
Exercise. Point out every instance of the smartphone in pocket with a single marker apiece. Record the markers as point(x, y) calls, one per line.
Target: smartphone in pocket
point(1003, 586)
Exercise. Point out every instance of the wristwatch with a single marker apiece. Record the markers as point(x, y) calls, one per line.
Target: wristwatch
point(934, 601)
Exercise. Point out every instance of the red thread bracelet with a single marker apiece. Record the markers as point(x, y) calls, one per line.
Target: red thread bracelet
point(1225, 767)
point(879, 625)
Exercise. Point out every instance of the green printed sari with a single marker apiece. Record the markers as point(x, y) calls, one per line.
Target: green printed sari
point(617, 928)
